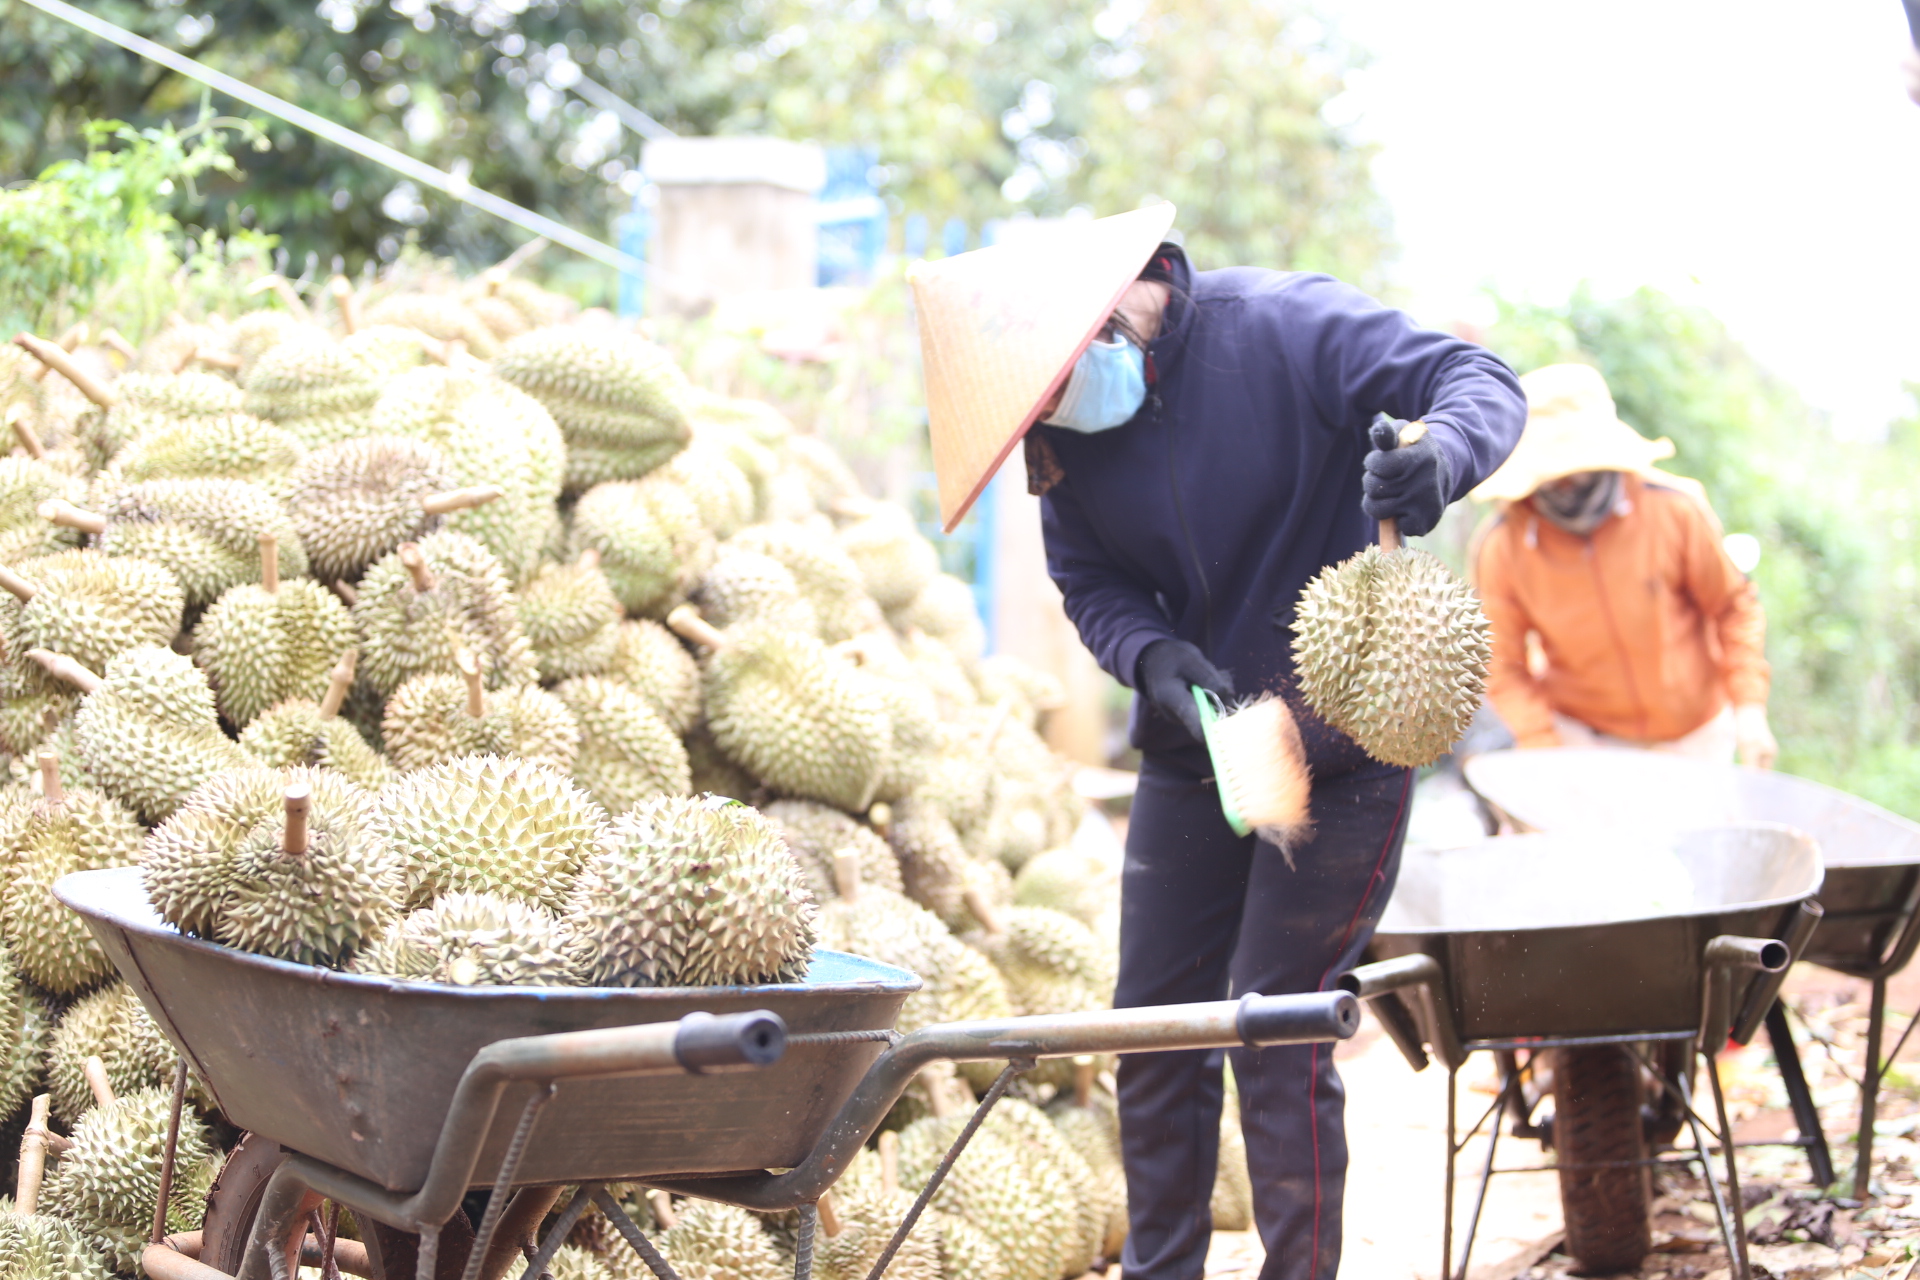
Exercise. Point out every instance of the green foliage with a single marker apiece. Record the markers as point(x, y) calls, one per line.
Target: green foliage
point(1838, 573)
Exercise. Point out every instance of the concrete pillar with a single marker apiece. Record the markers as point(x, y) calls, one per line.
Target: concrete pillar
point(735, 216)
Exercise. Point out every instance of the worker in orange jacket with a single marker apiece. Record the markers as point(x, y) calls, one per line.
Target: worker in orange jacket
point(1618, 618)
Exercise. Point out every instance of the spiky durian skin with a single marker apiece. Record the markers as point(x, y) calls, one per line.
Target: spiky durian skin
point(694, 892)
point(1072, 882)
point(316, 390)
point(746, 586)
point(946, 610)
point(868, 1216)
point(295, 733)
point(991, 1186)
point(710, 770)
point(260, 647)
point(502, 318)
point(427, 723)
point(28, 1035)
point(619, 399)
point(43, 1247)
point(572, 620)
point(217, 867)
point(388, 349)
point(958, 983)
point(206, 531)
point(238, 446)
point(91, 607)
point(627, 752)
point(355, 501)
point(1093, 1130)
point(84, 832)
point(822, 569)
point(827, 476)
point(817, 833)
point(149, 735)
point(193, 393)
point(108, 1183)
point(797, 717)
point(896, 561)
point(1066, 1180)
point(650, 660)
point(25, 483)
point(1052, 963)
point(1392, 649)
point(486, 825)
point(405, 632)
point(720, 491)
point(441, 316)
point(713, 1241)
point(652, 545)
point(113, 1025)
point(934, 864)
point(475, 939)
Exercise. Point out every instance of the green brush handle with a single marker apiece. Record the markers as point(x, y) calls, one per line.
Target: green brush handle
point(1211, 713)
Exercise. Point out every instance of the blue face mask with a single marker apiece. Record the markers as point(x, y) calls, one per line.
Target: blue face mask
point(1107, 387)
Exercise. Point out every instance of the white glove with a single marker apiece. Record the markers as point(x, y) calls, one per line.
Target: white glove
point(1752, 737)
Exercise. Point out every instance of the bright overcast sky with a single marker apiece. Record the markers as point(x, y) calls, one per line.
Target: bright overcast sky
point(1761, 158)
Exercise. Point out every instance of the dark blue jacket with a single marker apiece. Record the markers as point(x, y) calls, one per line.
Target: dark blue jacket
point(1239, 479)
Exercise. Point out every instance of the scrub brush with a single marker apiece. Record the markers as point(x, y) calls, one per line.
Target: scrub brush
point(1260, 768)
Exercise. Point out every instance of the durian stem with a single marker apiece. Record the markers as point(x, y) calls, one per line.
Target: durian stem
point(830, 1224)
point(880, 817)
point(846, 875)
point(890, 1163)
point(61, 512)
point(96, 1073)
point(185, 362)
point(23, 431)
point(170, 1153)
point(589, 559)
point(338, 683)
point(1389, 535)
point(662, 1205)
point(1411, 433)
point(61, 667)
point(116, 342)
point(33, 1158)
point(344, 589)
point(299, 806)
point(289, 296)
point(218, 359)
point(440, 504)
point(269, 563)
point(934, 1079)
point(416, 566)
point(686, 622)
point(50, 355)
point(500, 270)
point(342, 292)
point(982, 910)
point(1002, 712)
point(16, 586)
point(476, 689)
point(1083, 1068)
point(76, 333)
point(50, 776)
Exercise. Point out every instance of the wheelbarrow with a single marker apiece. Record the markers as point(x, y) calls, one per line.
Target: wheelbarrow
point(1621, 957)
point(397, 1099)
point(1871, 893)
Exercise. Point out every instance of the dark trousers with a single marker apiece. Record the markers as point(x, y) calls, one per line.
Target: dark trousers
point(1206, 914)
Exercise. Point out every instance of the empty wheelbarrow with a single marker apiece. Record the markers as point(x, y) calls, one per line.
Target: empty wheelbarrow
point(1621, 955)
point(1871, 893)
point(396, 1099)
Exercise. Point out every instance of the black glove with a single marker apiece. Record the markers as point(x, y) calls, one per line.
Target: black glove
point(1410, 483)
point(1167, 673)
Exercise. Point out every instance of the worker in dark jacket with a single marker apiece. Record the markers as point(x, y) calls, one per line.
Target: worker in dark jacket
point(1207, 453)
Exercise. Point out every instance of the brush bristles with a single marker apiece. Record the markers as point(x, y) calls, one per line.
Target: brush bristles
point(1263, 771)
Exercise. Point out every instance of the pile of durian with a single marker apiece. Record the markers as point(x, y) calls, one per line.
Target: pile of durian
point(450, 637)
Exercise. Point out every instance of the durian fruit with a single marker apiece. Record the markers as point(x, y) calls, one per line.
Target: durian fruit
point(279, 862)
point(503, 320)
point(1088, 1118)
point(301, 732)
point(234, 446)
point(896, 561)
point(795, 715)
point(1082, 885)
point(693, 891)
point(619, 399)
point(391, 351)
point(652, 546)
point(315, 389)
point(650, 660)
point(1232, 1200)
point(1062, 1176)
point(67, 829)
point(818, 834)
point(935, 867)
point(713, 1241)
point(992, 1186)
point(108, 1182)
point(356, 500)
point(257, 332)
point(146, 403)
point(710, 770)
point(206, 532)
point(571, 618)
point(916, 737)
point(1001, 677)
point(175, 347)
point(475, 939)
point(858, 1218)
point(572, 1262)
point(745, 586)
point(25, 483)
point(945, 609)
point(486, 825)
point(426, 602)
point(627, 752)
point(720, 491)
point(829, 481)
point(823, 571)
point(1052, 963)
point(441, 316)
point(261, 645)
point(27, 1035)
point(40, 1246)
point(432, 719)
point(113, 1026)
point(147, 731)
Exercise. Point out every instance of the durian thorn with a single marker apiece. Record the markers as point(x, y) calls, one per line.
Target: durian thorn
point(476, 687)
point(96, 1073)
point(298, 801)
point(416, 566)
point(33, 1158)
point(830, 1224)
point(662, 1206)
point(218, 359)
point(116, 342)
point(50, 776)
point(53, 357)
point(23, 431)
point(343, 298)
point(339, 681)
point(61, 667)
point(344, 589)
point(61, 512)
point(589, 559)
point(846, 875)
point(282, 289)
point(686, 622)
point(890, 1163)
point(440, 504)
point(880, 817)
point(16, 586)
point(269, 562)
point(1083, 1071)
point(982, 910)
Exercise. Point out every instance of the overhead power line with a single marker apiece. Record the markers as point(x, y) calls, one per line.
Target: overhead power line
point(631, 116)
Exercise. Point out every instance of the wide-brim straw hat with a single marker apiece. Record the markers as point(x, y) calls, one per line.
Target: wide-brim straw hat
point(1572, 426)
point(1001, 328)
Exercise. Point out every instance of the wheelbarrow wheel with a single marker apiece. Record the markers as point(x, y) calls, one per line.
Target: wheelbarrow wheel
point(1605, 1190)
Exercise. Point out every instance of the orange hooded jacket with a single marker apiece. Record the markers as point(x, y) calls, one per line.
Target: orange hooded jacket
point(1647, 629)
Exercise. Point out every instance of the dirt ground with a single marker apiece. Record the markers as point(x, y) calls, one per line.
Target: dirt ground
point(1396, 1131)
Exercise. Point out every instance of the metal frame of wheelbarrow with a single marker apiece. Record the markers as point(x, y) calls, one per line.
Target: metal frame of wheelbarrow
point(701, 1043)
point(1383, 983)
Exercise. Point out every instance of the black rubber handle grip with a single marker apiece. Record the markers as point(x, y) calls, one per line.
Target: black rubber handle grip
point(729, 1042)
point(1312, 1018)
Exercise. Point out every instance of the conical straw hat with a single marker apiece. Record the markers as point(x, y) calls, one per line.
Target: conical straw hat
point(1572, 426)
point(1001, 327)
